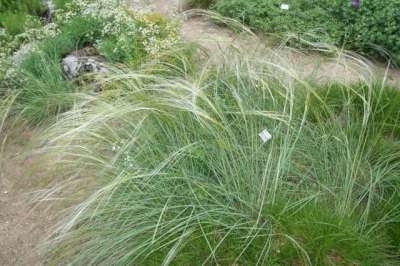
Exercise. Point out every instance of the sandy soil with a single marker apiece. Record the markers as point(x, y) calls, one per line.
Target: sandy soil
point(22, 225)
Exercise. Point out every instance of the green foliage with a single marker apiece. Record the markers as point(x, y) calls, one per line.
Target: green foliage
point(61, 3)
point(80, 31)
point(199, 3)
point(29, 6)
point(372, 29)
point(377, 24)
point(14, 23)
point(385, 116)
point(44, 92)
point(128, 49)
point(301, 17)
point(13, 14)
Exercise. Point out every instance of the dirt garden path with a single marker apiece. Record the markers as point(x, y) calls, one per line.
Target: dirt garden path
point(216, 39)
point(22, 227)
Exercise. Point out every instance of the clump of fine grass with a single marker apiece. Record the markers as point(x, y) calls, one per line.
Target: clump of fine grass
point(14, 14)
point(185, 178)
point(41, 88)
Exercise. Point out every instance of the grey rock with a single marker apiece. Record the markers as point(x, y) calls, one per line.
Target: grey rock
point(48, 16)
point(74, 66)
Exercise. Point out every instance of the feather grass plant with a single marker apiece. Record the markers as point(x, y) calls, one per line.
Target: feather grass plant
point(184, 179)
point(173, 170)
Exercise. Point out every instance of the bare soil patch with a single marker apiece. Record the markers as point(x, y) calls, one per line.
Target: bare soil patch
point(23, 227)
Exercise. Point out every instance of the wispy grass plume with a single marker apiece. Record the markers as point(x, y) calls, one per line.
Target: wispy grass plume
point(185, 178)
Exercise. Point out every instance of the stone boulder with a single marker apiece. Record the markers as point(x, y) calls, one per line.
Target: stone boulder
point(75, 65)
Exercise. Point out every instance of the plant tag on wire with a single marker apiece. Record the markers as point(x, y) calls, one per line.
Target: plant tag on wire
point(284, 6)
point(265, 136)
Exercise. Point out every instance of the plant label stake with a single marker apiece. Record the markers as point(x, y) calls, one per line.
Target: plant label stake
point(284, 6)
point(265, 136)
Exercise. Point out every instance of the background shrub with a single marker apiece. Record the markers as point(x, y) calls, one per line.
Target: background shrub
point(61, 3)
point(377, 23)
point(372, 29)
point(29, 6)
point(123, 36)
point(199, 3)
point(13, 14)
point(303, 15)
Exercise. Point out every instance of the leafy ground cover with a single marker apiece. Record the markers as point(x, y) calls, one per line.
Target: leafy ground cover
point(370, 29)
point(181, 174)
point(14, 14)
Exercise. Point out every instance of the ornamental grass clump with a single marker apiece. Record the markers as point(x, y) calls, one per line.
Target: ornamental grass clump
point(183, 177)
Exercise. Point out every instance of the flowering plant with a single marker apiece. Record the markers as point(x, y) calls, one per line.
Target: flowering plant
point(124, 35)
point(120, 34)
point(33, 31)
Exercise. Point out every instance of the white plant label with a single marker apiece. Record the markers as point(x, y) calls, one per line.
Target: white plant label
point(265, 136)
point(284, 6)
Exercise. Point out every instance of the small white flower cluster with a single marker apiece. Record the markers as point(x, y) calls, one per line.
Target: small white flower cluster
point(128, 161)
point(110, 12)
point(125, 158)
point(37, 34)
point(154, 33)
point(154, 39)
point(33, 32)
point(4, 39)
